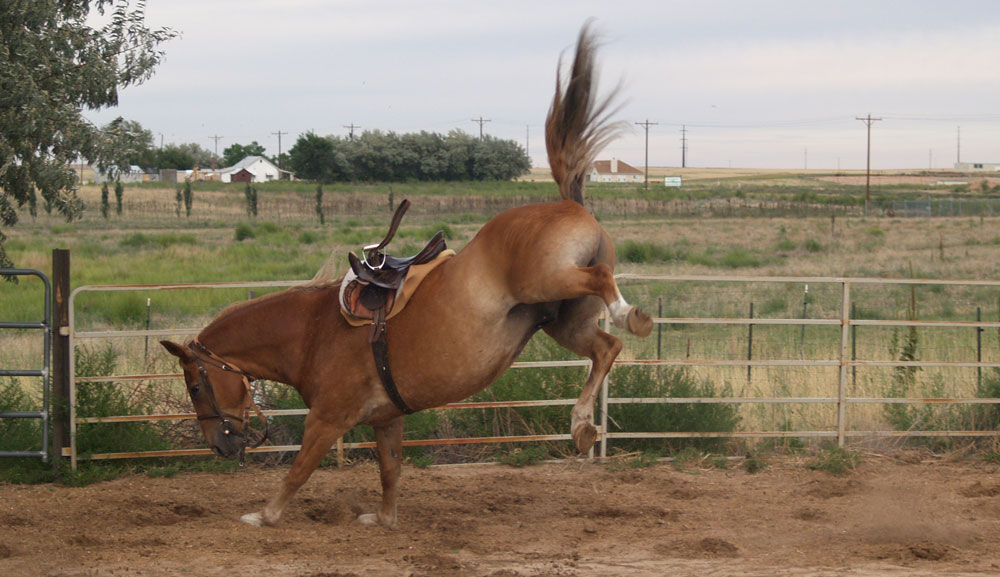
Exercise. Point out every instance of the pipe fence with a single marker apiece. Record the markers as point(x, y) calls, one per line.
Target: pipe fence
point(843, 362)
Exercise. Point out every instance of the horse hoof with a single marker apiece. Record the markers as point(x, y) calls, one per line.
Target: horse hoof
point(368, 519)
point(585, 436)
point(639, 322)
point(255, 519)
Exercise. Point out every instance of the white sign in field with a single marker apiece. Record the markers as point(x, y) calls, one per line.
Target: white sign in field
point(672, 181)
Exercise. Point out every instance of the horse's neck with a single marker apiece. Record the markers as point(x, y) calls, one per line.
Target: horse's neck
point(261, 336)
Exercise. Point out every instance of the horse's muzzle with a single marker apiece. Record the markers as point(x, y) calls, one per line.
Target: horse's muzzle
point(227, 446)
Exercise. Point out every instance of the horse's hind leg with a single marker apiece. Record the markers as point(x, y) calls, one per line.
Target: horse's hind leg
point(389, 441)
point(559, 283)
point(577, 330)
point(319, 436)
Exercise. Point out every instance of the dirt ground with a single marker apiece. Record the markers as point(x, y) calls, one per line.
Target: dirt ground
point(906, 514)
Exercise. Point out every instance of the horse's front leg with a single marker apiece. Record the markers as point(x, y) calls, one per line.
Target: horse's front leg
point(389, 442)
point(319, 436)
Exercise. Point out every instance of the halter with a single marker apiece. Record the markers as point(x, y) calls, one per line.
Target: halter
point(224, 418)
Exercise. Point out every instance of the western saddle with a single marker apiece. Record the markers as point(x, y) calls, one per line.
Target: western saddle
point(372, 293)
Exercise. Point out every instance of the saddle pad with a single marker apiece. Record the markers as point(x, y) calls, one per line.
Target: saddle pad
point(414, 277)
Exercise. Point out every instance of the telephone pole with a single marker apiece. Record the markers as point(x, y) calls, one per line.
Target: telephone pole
point(351, 128)
point(279, 133)
point(216, 138)
point(684, 146)
point(868, 120)
point(645, 126)
point(481, 122)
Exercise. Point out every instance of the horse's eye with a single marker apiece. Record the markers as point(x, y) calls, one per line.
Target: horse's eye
point(194, 390)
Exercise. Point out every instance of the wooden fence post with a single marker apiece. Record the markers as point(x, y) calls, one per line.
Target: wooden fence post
point(60, 352)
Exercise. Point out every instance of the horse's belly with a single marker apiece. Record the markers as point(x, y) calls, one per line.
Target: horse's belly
point(443, 362)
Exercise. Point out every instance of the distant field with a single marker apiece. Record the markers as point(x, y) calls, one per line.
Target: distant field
point(756, 223)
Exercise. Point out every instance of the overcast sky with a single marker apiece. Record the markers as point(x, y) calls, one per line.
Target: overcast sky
point(760, 84)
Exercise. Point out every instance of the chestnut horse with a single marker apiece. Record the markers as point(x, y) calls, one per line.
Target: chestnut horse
point(545, 266)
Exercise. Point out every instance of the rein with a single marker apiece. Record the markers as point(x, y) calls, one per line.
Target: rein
point(218, 362)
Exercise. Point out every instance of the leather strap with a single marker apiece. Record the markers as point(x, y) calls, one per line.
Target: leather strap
point(397, 217)
point(380, 349)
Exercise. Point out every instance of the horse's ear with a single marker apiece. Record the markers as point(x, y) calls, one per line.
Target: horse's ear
point(179, 351)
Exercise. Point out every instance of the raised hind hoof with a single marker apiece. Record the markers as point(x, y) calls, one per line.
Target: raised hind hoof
point(255, 519)
point(585, 436)
point(639, 322)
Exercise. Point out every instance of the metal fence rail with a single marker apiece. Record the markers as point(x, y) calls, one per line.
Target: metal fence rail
point(840, 400)
point(45, 325)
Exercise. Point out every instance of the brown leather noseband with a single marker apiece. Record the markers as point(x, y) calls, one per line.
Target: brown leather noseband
point(225, 419)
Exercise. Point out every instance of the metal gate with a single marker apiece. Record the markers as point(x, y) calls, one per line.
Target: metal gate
point(45, 325)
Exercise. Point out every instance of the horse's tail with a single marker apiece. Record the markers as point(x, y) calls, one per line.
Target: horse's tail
point(578, 126)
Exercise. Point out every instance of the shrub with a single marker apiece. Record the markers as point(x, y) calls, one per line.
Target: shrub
point(522, 457)
point(643, 252)
point(107, 398)
point(740, 257)
point(244, 231)
point(813, 245)
point(785, 245)
point(836, 461)
point(18, 434)
point(636, 381)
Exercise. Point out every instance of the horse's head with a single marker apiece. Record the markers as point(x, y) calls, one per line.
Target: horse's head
point(221, 397)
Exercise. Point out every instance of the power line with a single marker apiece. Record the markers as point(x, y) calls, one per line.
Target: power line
point(645, 126)
point(868, 120)
point(481, 122)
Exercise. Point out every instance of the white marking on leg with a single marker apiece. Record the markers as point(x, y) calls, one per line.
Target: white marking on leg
point(368, 519)
point(255, 519)
point(619, 312)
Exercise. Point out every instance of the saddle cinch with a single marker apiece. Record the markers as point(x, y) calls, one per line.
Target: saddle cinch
point(379, 285)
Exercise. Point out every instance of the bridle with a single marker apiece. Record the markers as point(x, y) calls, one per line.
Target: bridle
point(225, 419)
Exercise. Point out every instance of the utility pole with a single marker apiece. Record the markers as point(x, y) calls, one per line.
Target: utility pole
point(279, 133)
point(481, 122)
point(216, 138)
point(868, 120)
point(645, 126)
point(684, 146)
point(527, 139)
point(350, 127)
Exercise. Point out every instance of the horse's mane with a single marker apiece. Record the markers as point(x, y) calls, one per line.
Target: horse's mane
point(326, 277)
point(578, 125)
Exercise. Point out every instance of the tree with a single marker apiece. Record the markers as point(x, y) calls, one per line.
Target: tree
point(124, 143)
point(237, 152)
point(53, 65)
point(319, 203)
point(251, 197)
point(183, 156)
point(188, 198)
point(313, 157)
point(119, 196)
point(105, 205)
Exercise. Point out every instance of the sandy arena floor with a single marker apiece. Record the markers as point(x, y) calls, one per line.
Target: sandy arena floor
point(908, 514)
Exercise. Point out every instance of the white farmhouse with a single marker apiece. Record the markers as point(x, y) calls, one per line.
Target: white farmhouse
point(250, 169)
point(614, 170)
